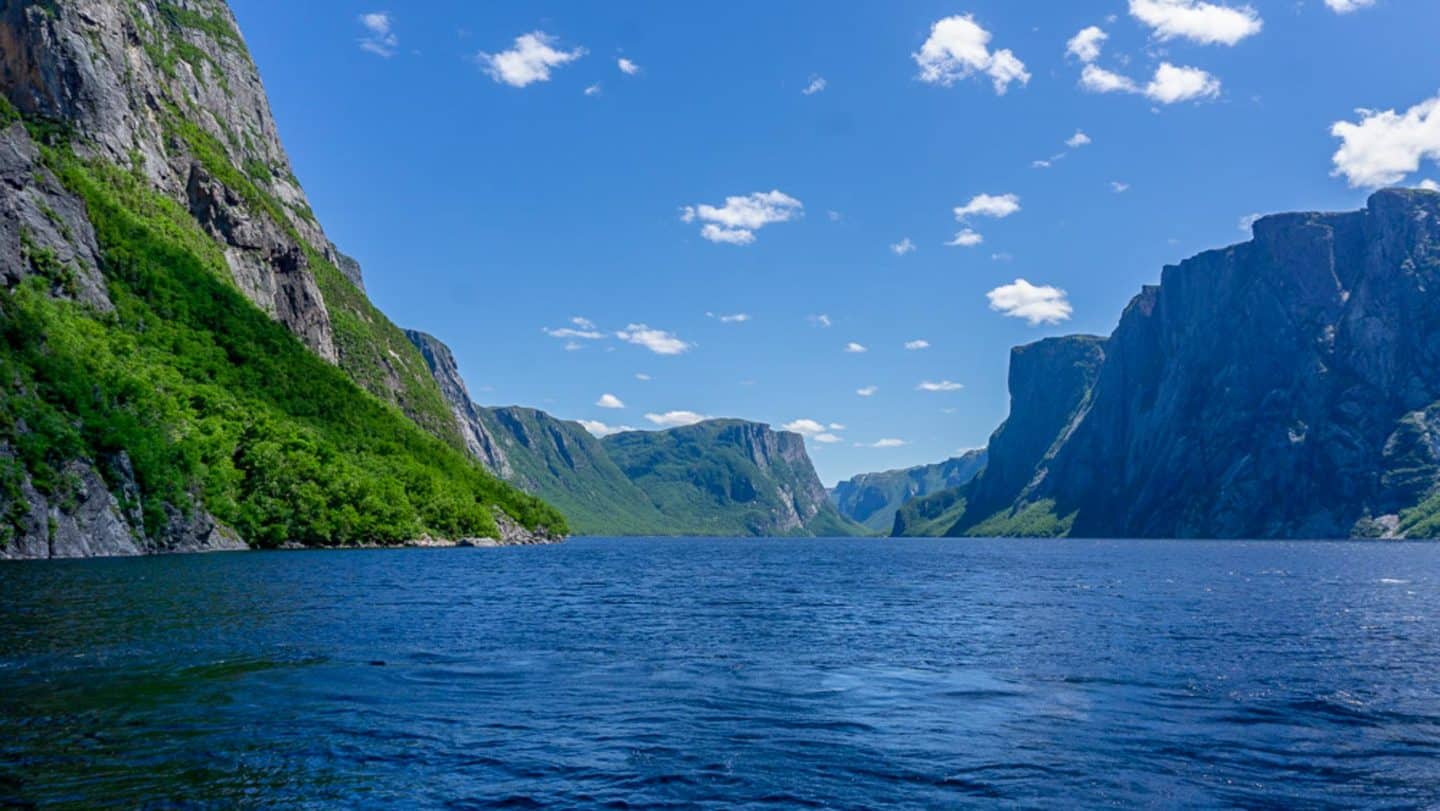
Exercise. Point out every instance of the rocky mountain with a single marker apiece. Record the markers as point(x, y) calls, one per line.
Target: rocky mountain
point(872, 499)
point(1286, 387)
point(729, 477)
point(189, 361)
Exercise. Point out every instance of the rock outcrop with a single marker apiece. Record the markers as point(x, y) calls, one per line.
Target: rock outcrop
point(1286, 387)
point(872, 499)
point(479, 441)
point(167, 87)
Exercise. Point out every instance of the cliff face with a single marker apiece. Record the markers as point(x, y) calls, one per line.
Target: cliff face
point(1050, 385)
point(1286, 387)
point(479, 440)
point(1279, 388)
point(872, 499)
point(156, 85)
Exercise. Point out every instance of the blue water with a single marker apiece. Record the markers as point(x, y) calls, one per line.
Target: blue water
point(712, 673)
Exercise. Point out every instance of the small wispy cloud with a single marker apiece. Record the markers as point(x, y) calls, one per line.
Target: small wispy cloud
point(942, 385)
point(734, 318)
point(968, 238)
point(1037, 304)
point(1119, 187)
point(822, 320)
point(600, 429)
point(883, 443)
point(989, 205)
point(627, 67)
point(855, 348)
point(867, 391)
point(736, 222)
point(530, 60)
point(917, 344)
point(609, 401)
point(903, 247)
point(676, 419)
point(380, 38)
point(656, 340)
point(1078, 140)
point(816, 85)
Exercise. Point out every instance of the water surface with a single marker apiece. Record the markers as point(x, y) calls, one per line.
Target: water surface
point(728, 673)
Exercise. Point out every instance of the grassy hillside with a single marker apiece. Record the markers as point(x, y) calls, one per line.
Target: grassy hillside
point(561, 461)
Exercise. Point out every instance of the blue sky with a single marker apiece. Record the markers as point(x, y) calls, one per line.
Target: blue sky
point(557, 238)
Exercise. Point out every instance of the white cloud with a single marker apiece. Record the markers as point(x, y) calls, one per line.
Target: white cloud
point(1197, 21)
point(593, 90)
point(1247, 222)
point(1077, 140)
point(987, 205)
point(885, 443)
point(1037, 305)
point(916, 345)
point(1170, 84)
point(903, 247)
point(600, 429)
point(1429, 185)
point(958, 48)
point(1099, 80)
point(834, 216)
point(656, 340)
point(822, 320)
point(530, 61)
point(609, 401)
point(675, 419)
point(1119, 187)
point(627, 67)
point(817, 84)
point(642, 377)
point(805, 427)
point(855, 348)
point(1347, 6)
point(1385, 146)
point(727, 236)
point(867, 391)
point(583, 329)
point(380, 39)
point(943, 385)
point(573, 346)
point(1086, 45)
point(828, 439)
point(737, 318)
point(967, 238)
point(737, 221)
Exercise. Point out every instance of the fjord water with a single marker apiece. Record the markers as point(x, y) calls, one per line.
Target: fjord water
point(728, 673)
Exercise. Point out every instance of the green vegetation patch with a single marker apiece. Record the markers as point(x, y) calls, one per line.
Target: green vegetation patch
point(1036, 519)
point(214, 403)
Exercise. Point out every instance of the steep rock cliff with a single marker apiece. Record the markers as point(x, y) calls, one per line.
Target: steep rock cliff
point(1286, 387)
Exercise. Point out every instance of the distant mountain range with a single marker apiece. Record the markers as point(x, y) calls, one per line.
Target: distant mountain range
point(872, 499)
point(718, 477)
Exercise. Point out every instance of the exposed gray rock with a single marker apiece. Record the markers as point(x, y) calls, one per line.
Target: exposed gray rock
point(351, 269)
point(85, 518)
point(121, 74)
point(478, 439)
point(44, 230)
